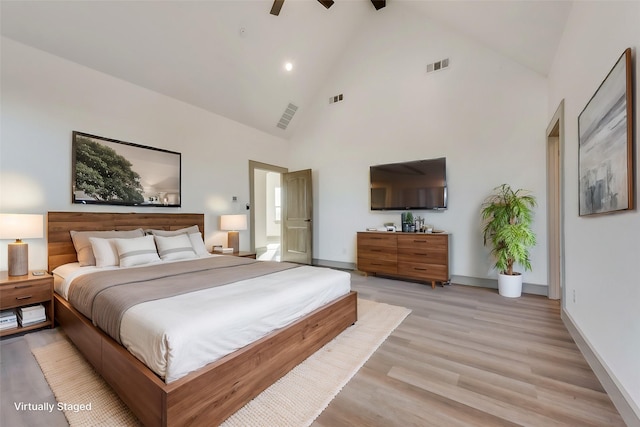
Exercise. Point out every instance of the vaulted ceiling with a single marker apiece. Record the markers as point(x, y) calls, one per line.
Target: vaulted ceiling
point(228, 56)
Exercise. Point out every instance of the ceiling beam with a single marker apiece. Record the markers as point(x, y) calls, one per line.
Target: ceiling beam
point(326, 3)
point(277, 5)
point(379, 4)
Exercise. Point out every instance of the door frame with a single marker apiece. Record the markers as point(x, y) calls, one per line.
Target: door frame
point(555, 205)
point(253, 165)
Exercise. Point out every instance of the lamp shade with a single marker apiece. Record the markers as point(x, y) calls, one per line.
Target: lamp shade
point(233, 222)
point(21, 226)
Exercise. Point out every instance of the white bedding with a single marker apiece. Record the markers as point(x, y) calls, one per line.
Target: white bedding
point(177, 335)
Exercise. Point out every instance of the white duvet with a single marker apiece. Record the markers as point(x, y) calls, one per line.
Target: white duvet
point(178, 335)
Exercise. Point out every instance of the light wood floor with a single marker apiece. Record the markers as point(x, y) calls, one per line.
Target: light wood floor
point(464, 357)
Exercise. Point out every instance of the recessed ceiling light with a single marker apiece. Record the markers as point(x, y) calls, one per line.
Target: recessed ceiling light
point(288, 66)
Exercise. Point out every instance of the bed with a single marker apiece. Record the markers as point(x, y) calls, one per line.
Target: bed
point(212, 393)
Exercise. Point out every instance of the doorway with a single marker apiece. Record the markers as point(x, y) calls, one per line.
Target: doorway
point(555, 223)
point(265, 184)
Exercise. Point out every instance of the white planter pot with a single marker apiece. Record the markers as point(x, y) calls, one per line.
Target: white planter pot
point(510, 286)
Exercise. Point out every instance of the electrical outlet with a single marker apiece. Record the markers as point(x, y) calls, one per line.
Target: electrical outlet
point(574, 296)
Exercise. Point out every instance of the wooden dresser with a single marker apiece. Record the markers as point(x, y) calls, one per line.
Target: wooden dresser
point(414, 256)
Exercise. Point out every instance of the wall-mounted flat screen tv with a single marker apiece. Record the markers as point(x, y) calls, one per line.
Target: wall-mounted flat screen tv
point(419, 185)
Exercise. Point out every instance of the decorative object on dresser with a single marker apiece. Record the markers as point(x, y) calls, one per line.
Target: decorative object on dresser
point(233, 224)
point(18, 227)
point(507, 217)
point(407, 222)
point(26, 302)
point(422, 257)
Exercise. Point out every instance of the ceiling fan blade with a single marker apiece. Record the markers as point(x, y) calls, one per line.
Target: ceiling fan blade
point(277, 5)
point(326, 3)
point(379, 4)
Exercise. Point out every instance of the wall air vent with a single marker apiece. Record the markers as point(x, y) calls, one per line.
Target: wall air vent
point(438, 65)
point(336, 98)
point(288, 114)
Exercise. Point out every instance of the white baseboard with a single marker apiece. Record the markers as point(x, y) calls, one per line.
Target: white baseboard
point(334, 264)
point(527, 288)
point(629, 411)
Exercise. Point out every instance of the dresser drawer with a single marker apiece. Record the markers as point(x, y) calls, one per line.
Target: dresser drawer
point(377, 240)
point(434, 243)
point(375, 253)
point(422, 255)
point(423, 271)
point(377, 266)
point(22, 294)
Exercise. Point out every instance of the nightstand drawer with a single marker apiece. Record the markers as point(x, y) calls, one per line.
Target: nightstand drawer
point(22, 294)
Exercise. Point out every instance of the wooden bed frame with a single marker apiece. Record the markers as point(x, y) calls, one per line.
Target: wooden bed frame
point(211, 394)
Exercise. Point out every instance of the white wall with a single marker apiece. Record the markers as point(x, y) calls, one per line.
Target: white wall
point(485, 114)
point(601, 252)
point(45, 98)
point(273, 223)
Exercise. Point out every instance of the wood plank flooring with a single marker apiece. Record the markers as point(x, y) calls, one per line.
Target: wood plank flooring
point(464, 357)
point(467, 357)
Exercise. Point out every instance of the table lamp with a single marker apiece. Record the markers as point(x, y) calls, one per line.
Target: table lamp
point(232, 224)
point(18, 227)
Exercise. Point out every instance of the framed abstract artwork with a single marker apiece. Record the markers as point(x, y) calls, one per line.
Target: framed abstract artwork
point(110, 172)
point(605, 148)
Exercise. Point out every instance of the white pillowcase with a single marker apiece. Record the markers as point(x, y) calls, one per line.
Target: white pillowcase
point(105, 252)
point(83, 245)
point(137, 251)
point(175, 247)
point(167, 233)
point(194, 235)
point(198, 244)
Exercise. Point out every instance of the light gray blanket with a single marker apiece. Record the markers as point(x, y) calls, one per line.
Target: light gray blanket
point(104, 296)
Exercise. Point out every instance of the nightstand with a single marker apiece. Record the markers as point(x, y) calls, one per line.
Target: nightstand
point(20, 291)
point(243, 254)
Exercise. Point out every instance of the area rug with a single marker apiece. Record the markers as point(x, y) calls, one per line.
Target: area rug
point(295, 400)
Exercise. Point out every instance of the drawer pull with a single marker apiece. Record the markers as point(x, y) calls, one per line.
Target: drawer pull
point(419, 241)
point(22, 287)
point(415, 253)
point(376, 250)
point(24, 297)
point(374, 263)
point(420, 269)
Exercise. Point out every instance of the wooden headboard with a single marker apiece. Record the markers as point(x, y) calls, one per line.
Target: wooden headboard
point(60, 246)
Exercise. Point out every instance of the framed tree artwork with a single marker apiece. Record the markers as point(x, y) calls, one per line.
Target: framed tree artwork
point(605, 149)
point(111, 172)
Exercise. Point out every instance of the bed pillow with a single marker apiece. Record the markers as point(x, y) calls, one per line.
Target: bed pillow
point(165, 233)
point(137, 251)
point(83, 245)
point(198, 244)
point(105, 252)
point(175, 247)
point(194, 235)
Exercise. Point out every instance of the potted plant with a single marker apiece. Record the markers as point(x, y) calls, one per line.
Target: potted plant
point(507, 217)
point(407, 221)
